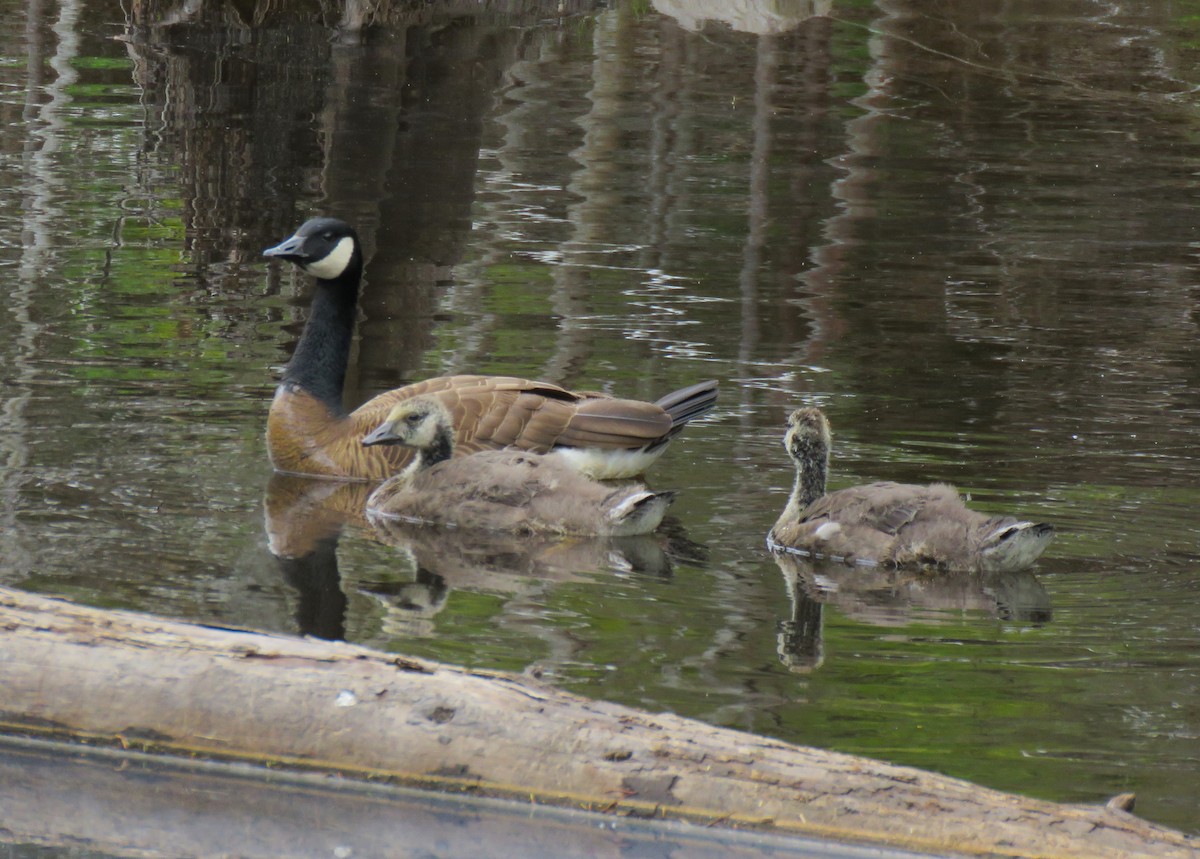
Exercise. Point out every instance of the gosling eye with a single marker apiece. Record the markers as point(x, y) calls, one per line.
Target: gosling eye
point(413, 420)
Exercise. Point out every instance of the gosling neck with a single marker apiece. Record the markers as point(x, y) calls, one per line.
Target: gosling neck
point(812, 470)
point(318, 366)
point(439, 450)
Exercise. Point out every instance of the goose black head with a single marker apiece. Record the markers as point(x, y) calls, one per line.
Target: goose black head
point(326, 248)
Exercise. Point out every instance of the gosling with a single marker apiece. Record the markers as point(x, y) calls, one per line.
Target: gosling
point(893, 524)
point(499, 490)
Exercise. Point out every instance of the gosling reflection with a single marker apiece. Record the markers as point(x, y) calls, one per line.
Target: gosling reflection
point(478, 559)
point(522, 573)
point(409, 608)
point(799, 643)
point(891, 596)
point(521, 569)
point(305, 519)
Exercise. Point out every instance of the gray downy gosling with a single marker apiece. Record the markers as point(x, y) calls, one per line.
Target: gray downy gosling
point(499, 490)
point(893, 524)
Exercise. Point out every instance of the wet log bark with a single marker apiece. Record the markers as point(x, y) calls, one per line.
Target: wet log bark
point(180, 688)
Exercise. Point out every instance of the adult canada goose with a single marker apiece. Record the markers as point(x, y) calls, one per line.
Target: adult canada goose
point(892, 523)
point(499, 490)
point(310, 432)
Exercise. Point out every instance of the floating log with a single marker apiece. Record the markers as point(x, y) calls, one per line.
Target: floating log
point(179, 688)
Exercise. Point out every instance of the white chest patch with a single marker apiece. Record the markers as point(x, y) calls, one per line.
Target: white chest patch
point(333, 263)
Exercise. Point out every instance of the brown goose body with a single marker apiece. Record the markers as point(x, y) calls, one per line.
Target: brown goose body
point(607, 436)
point(499, 490)
point(895, 524)
point(310, 433)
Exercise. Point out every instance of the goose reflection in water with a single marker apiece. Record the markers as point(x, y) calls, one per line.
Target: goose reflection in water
point(304, 519)
point(893, 597)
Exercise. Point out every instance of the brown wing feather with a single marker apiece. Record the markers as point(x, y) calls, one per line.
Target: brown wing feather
point(614, 423)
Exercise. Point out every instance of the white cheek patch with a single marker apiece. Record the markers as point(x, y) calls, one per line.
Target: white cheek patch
point(425, 433)
point(334, 263)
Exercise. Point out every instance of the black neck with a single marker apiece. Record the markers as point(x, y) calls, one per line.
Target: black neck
point(810, 480)
point(812, 470)
point(441, 449)
point(318, 365)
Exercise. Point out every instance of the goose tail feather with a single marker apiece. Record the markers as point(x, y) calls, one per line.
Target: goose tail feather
point(688, 403)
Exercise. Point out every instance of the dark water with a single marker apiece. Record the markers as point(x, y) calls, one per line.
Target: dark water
point(121, 804)
point(969, 236)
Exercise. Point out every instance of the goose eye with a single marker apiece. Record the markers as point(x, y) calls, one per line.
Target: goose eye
point(328, 237)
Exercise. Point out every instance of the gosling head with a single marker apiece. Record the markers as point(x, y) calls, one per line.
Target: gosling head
point(326, 248)
point(421, 423)
point(807, 438)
